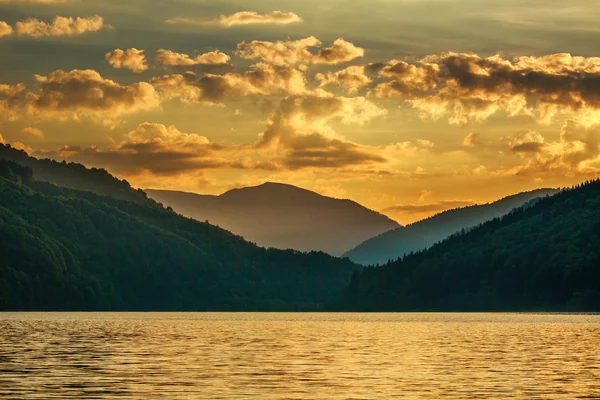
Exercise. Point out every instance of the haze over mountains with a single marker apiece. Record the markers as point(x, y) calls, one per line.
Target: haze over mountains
point(283, 216)
point(423, 234)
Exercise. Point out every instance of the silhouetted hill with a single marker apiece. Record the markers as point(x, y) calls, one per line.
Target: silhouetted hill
point(540, 258)
point(424, 234)
point(74, 176)
point(282, 216)
point(63, 249)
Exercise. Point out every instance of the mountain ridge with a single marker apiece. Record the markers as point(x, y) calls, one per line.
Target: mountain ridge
point(281, 215)
point(420, 235)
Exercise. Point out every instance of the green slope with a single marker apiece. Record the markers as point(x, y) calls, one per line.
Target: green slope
point(63, 249)
point(544, 257)
point(421, 235)
point(75, 176)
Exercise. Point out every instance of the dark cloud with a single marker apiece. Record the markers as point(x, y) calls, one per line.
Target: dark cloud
point(473, 88)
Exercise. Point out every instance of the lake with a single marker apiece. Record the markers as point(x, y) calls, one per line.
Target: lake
point(299, 356)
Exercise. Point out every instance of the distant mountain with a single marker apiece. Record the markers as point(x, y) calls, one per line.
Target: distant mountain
point(75, 176)
point(63, 249)
point(423, 234)
point(540, 258)
point(282, 216)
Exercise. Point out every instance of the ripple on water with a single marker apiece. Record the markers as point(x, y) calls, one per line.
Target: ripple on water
point(298, 356)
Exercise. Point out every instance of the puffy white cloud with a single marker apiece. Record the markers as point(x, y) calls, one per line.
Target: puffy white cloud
point(10, 98)
point(5, 29)
point(170, 58)
point(352, 78)
point(291, 52)
point(86, 91)
point(60, 26)
point(132, 59)
point(261, 79)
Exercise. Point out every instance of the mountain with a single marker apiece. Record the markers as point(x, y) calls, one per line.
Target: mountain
point(64, 249)
point(75, 176)
point(540, 258)
point(282, 216)
point(421, 235)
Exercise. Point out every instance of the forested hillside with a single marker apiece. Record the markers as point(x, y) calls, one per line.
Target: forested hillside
point(63, 249)
point(545, 257)
point(424, 234)
point(75, 176)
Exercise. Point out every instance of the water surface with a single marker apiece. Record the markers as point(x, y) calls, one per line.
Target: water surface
point(298, 356)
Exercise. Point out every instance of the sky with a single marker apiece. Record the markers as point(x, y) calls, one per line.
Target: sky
point(409, 107)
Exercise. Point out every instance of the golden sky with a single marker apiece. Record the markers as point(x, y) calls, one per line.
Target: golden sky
point(409, 107)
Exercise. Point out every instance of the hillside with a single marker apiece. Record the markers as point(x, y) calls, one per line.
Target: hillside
point(421, 235)
point(282, 216)
point(75, 176)
point(540, 258)
point(63, 249)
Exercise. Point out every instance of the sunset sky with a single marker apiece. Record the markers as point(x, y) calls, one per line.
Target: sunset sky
point(409, 107)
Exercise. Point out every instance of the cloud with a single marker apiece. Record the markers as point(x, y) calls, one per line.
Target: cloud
point(87, 92)
point(150, 147)
point(261, 79)
point(317, 150)
point(5, 29)
point(170, 58)
point(299, 128)
point(472, 88)
point(10, 98)
point(153, 149)
point(527, 142)
point(60, 26)
point(132, 59)
point(471, 140)
point(352, 78)
point(428, 208)
point(577, 152)
point(297, 52)
point(408, 79)
point(423, 194)
point(251, 17)
point(2, 139)
point(35, 132)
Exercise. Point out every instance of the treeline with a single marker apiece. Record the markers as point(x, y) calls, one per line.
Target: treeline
point(540, 258)
point(63, 249)
point(76, 176)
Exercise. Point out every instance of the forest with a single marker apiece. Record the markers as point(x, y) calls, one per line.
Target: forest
point(64, 249)
point(540, 258)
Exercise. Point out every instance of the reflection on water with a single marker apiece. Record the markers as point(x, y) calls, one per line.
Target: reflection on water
point(299, 356)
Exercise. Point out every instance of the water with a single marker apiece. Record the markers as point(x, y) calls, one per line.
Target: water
point(298, 356)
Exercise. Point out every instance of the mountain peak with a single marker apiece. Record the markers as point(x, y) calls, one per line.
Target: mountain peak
point(281, 215)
